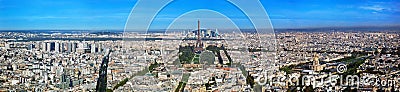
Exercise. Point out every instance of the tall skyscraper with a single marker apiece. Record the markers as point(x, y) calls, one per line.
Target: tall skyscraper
point(48, 47)
point(57, 47)
point(44, 46)
point(69, 47)
point(73, 47)
point(62, 46)
point(93, 48)
point(99, 47)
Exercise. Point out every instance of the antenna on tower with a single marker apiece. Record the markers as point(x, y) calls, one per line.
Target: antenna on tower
point(198, 33)
point(198, 29)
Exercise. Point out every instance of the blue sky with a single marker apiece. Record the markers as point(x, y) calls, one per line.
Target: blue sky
point(112, 14)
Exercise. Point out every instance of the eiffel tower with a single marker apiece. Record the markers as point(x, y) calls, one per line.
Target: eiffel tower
point(199, 45)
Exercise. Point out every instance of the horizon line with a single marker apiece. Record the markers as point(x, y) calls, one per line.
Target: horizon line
point(375, 26)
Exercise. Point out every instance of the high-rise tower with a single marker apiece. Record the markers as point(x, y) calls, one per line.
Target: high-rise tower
point(199, 45)
point(198, 34)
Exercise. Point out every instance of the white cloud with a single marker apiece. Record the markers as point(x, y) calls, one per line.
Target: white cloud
point(374, 8)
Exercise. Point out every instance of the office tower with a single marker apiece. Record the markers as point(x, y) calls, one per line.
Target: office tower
point(57, 47)
point(48, 48)
point(82, 47)
point(73, 47)
point(44, 46)
point(7, 46)
point(99, 48)
point(62, 47)
point(69, 47)
point(93, 48)
point(30, 47)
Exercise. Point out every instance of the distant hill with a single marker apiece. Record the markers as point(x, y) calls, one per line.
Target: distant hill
point(344, 29)
point(277, 30)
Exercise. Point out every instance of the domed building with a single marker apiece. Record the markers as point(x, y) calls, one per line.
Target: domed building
point(316, 65)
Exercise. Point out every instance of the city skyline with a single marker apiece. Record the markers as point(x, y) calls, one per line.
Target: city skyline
point(112, 15)
point(199, 45)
